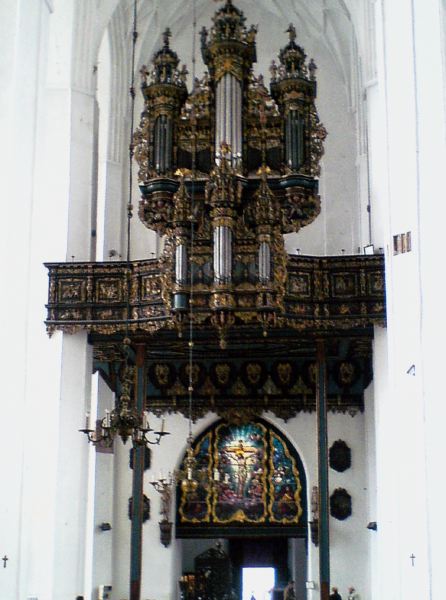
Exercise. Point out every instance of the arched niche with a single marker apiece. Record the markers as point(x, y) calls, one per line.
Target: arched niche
point(250, 481)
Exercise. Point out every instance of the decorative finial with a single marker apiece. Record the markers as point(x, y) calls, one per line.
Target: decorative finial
point(203, 35)
point(166, 35)
point(225, 149)
point(273, 70)
point(144, 72)
point(182, 76)
point(251, 35)
point(291, 32)
point(312, 69)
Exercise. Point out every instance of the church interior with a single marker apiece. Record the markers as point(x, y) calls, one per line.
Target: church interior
point(222, 307)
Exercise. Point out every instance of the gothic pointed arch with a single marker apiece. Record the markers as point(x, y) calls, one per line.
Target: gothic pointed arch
point(250, 481)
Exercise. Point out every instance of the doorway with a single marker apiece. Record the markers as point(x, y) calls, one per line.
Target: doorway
point(269, 560)
point(262, 555)
point(258, 583)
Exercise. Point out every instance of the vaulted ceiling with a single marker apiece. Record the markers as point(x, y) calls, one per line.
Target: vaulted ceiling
point(340, 27)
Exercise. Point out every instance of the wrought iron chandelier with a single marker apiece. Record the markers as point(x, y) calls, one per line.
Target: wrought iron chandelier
point(124, 420)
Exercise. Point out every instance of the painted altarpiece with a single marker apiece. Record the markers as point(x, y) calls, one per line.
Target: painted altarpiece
point(249, 477)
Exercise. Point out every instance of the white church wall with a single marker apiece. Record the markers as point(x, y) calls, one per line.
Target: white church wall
point(383, 570)
point(349, 556)
point(122, 491)
point(70, 527)
point(429, 56)
point(15, 272)
point(349, 538)
point(371, 485)
point(103, 501)
point(414, 141)
point(81, 220)
point(34, 159)
point(75, 97)
point(52, 553)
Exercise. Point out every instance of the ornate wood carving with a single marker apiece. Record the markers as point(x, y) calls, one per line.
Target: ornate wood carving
point(340, 504)
point(330, 294)
point(340, 456)
point(147, 458)
point(145, 509)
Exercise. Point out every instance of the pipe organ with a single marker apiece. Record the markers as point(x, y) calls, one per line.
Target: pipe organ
point(232, 166)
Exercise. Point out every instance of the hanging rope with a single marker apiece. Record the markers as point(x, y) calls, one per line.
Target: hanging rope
point(131, 153)
point(192, 241)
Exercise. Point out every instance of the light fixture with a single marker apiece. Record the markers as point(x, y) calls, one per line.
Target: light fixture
point(163, 486)
point(370, 249)
point(124, 420)
point(314, 523)
point(310, 585)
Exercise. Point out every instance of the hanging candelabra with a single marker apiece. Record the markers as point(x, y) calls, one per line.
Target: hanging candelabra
point(314, 523)
point(163, 486)
point(124, 420)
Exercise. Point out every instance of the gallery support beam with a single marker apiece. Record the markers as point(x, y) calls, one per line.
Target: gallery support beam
point(324, 538)
point(137, 485)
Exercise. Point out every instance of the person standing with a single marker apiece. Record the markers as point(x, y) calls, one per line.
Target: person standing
point(352, 595)
point(289, 592)
point(335, 595)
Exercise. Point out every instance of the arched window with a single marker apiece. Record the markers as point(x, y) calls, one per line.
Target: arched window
point(249, 478)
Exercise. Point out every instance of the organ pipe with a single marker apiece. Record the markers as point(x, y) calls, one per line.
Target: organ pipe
point(222, 254)
point(229, 114)
point(264, 262)
point(163, 144)
point(294, 139)
point(181, 264)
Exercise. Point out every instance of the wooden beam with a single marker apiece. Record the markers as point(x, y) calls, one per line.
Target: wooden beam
point(137, 484)
point(321, 405)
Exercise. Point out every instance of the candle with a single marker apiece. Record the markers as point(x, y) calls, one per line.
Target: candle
point(107, 418)
point(162, 425)
point(216, 475)
point(145, 420)
point(87, 421)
